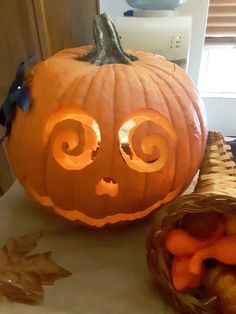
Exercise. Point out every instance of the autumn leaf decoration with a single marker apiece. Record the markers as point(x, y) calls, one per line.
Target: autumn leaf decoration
point(21, 275)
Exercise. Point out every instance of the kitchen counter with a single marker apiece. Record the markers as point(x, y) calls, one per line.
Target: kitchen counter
point(109, 272)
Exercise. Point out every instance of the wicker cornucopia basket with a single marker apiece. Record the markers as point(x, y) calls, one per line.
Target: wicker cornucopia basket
point(215, 192)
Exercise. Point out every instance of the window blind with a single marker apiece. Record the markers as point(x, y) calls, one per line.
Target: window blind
point(221, 22)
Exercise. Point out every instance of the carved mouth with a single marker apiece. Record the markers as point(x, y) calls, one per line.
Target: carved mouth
point(107, 186)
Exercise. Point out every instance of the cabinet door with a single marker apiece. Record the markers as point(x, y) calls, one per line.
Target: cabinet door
point(18, 38)
point(64, 23)
point(42, 27)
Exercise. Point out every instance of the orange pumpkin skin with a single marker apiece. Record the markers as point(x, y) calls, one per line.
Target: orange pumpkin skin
point(66, 147)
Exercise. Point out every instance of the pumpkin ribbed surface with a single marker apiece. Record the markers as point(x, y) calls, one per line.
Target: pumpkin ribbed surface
point(78, 107)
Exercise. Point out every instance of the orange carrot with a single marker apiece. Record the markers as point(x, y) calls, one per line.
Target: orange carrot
point(182, 279)
point(179, 242)
point(223, 250)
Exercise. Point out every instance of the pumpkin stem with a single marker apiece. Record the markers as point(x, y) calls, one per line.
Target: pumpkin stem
point(108, 49)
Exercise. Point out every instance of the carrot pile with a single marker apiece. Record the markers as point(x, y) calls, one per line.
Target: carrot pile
point(191, 252)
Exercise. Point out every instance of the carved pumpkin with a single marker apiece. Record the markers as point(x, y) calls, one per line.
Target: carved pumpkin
point(109, 136)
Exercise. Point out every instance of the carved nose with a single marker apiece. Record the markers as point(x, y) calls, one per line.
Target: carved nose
point(107, 186)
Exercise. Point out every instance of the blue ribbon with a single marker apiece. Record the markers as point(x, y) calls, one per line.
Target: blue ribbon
point(18, 94)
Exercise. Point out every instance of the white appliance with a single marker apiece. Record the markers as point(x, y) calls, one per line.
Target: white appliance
point(161, 32)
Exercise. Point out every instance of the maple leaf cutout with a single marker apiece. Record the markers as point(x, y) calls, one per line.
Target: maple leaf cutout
point(21, 275)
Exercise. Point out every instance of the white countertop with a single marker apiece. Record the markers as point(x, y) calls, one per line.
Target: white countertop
point(109, 272)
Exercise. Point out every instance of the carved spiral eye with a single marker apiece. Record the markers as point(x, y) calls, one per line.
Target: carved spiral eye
point(74, 138)
point(145, 140)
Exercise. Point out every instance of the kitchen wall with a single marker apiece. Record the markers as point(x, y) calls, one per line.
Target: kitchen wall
point(114, 8)
point(199, 11)
point(221, 113)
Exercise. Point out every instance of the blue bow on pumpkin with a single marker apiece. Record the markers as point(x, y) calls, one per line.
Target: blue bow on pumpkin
point(18, 94)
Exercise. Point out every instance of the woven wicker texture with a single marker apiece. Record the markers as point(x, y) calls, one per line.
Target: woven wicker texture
point(218, 173)
point(215, 191)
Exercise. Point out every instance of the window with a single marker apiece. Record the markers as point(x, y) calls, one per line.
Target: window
point(218, 66)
